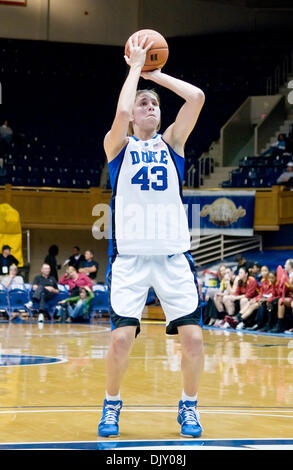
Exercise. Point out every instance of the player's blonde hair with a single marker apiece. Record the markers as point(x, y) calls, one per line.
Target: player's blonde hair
point(138, 93)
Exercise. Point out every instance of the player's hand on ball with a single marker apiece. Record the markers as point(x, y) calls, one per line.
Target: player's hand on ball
point(152, 75)
point(137, 52)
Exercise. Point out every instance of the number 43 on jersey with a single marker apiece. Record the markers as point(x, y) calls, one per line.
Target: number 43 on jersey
point(142, 178)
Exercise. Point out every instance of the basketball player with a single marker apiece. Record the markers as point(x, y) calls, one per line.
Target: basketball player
point(146, 172)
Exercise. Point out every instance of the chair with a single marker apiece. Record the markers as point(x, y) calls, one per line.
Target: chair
point(100, 303)
point(4, 307)
point(17, 297)
point(52, 304)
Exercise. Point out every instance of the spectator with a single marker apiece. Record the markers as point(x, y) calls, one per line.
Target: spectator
point(247, 288)
point(89, 267)
point(280, 144)
point(267, 314)
point(255, 302)
point(12, 280)
point(286, 176)
point(255, 271)
point(6, 134)
point(52, 262)
point(75, 280)
point(209, 292)
point(228, 287)
point(45, 287)
point(241, 261)
point(289, 143)
point(76, 258)
point(287, 301)
point(82, 305)
point(6, 260)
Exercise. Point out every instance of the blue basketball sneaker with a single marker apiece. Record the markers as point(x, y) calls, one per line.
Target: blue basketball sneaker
point(188, 418)
point(109, 422)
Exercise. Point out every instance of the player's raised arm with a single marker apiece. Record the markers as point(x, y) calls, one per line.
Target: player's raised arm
point(116, 138)
point(177, 133)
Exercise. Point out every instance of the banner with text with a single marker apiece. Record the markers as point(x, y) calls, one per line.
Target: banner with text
point(224, 212)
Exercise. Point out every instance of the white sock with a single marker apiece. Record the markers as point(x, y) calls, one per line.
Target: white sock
point(188, 398)
point(112, 397)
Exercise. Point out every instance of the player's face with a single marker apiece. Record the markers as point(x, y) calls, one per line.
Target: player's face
point(146, 111)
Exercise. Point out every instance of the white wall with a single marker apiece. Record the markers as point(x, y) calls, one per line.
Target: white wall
point(112, 21)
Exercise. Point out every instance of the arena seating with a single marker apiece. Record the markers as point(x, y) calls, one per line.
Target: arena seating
point(258, 172)
point(62, 100)
point(14, 299)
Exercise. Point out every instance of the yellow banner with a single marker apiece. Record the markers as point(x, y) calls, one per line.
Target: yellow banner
point(10, 231)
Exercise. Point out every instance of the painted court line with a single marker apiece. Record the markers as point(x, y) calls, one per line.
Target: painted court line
point(272, 414)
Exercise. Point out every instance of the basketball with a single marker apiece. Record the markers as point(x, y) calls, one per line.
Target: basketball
point(157, 56)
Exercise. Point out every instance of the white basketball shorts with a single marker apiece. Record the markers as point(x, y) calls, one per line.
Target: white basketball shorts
point(173, 279)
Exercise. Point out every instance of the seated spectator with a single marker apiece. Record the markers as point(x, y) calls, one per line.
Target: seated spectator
point(89, 267)
point(286, 176)
point(75, 280)
point(267, 314)
point(254, 303)
point(80, 309)
point(286, 300)
point(247, 288)
point(280, 144)
point(45, 287)
point(6, 135)
point(241, 261)
point(289, 143)
point(209, 292)
point(52, 262)
point(6, 260)
point(255, 271)
point(75, 259)
point(12, 280)
point(228, 287)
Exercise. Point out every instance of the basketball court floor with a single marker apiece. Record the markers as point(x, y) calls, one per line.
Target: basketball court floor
point(52, 385)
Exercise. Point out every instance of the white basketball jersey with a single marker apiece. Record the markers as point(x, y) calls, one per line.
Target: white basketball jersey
point(148, 216)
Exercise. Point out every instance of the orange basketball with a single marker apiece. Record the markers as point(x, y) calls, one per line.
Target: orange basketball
point(158, 54)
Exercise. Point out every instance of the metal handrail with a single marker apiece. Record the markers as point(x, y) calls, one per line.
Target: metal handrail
point(205, 255)
point(190, 176)
point(277, 77)
point(280, 74)
point(269, 86)
point(201, 164)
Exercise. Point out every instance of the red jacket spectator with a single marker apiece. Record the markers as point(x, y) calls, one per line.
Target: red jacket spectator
point(249, 289)
point(74, 279)
point(266, 288)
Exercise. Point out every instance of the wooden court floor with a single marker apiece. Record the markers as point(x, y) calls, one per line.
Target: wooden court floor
point(246, 390)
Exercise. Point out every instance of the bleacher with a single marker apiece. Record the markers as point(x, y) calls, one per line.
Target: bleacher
point(35, 163)
point(14, 300)
point(258, 172)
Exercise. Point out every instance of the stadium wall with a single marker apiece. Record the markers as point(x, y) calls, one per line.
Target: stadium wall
point(110, 22)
